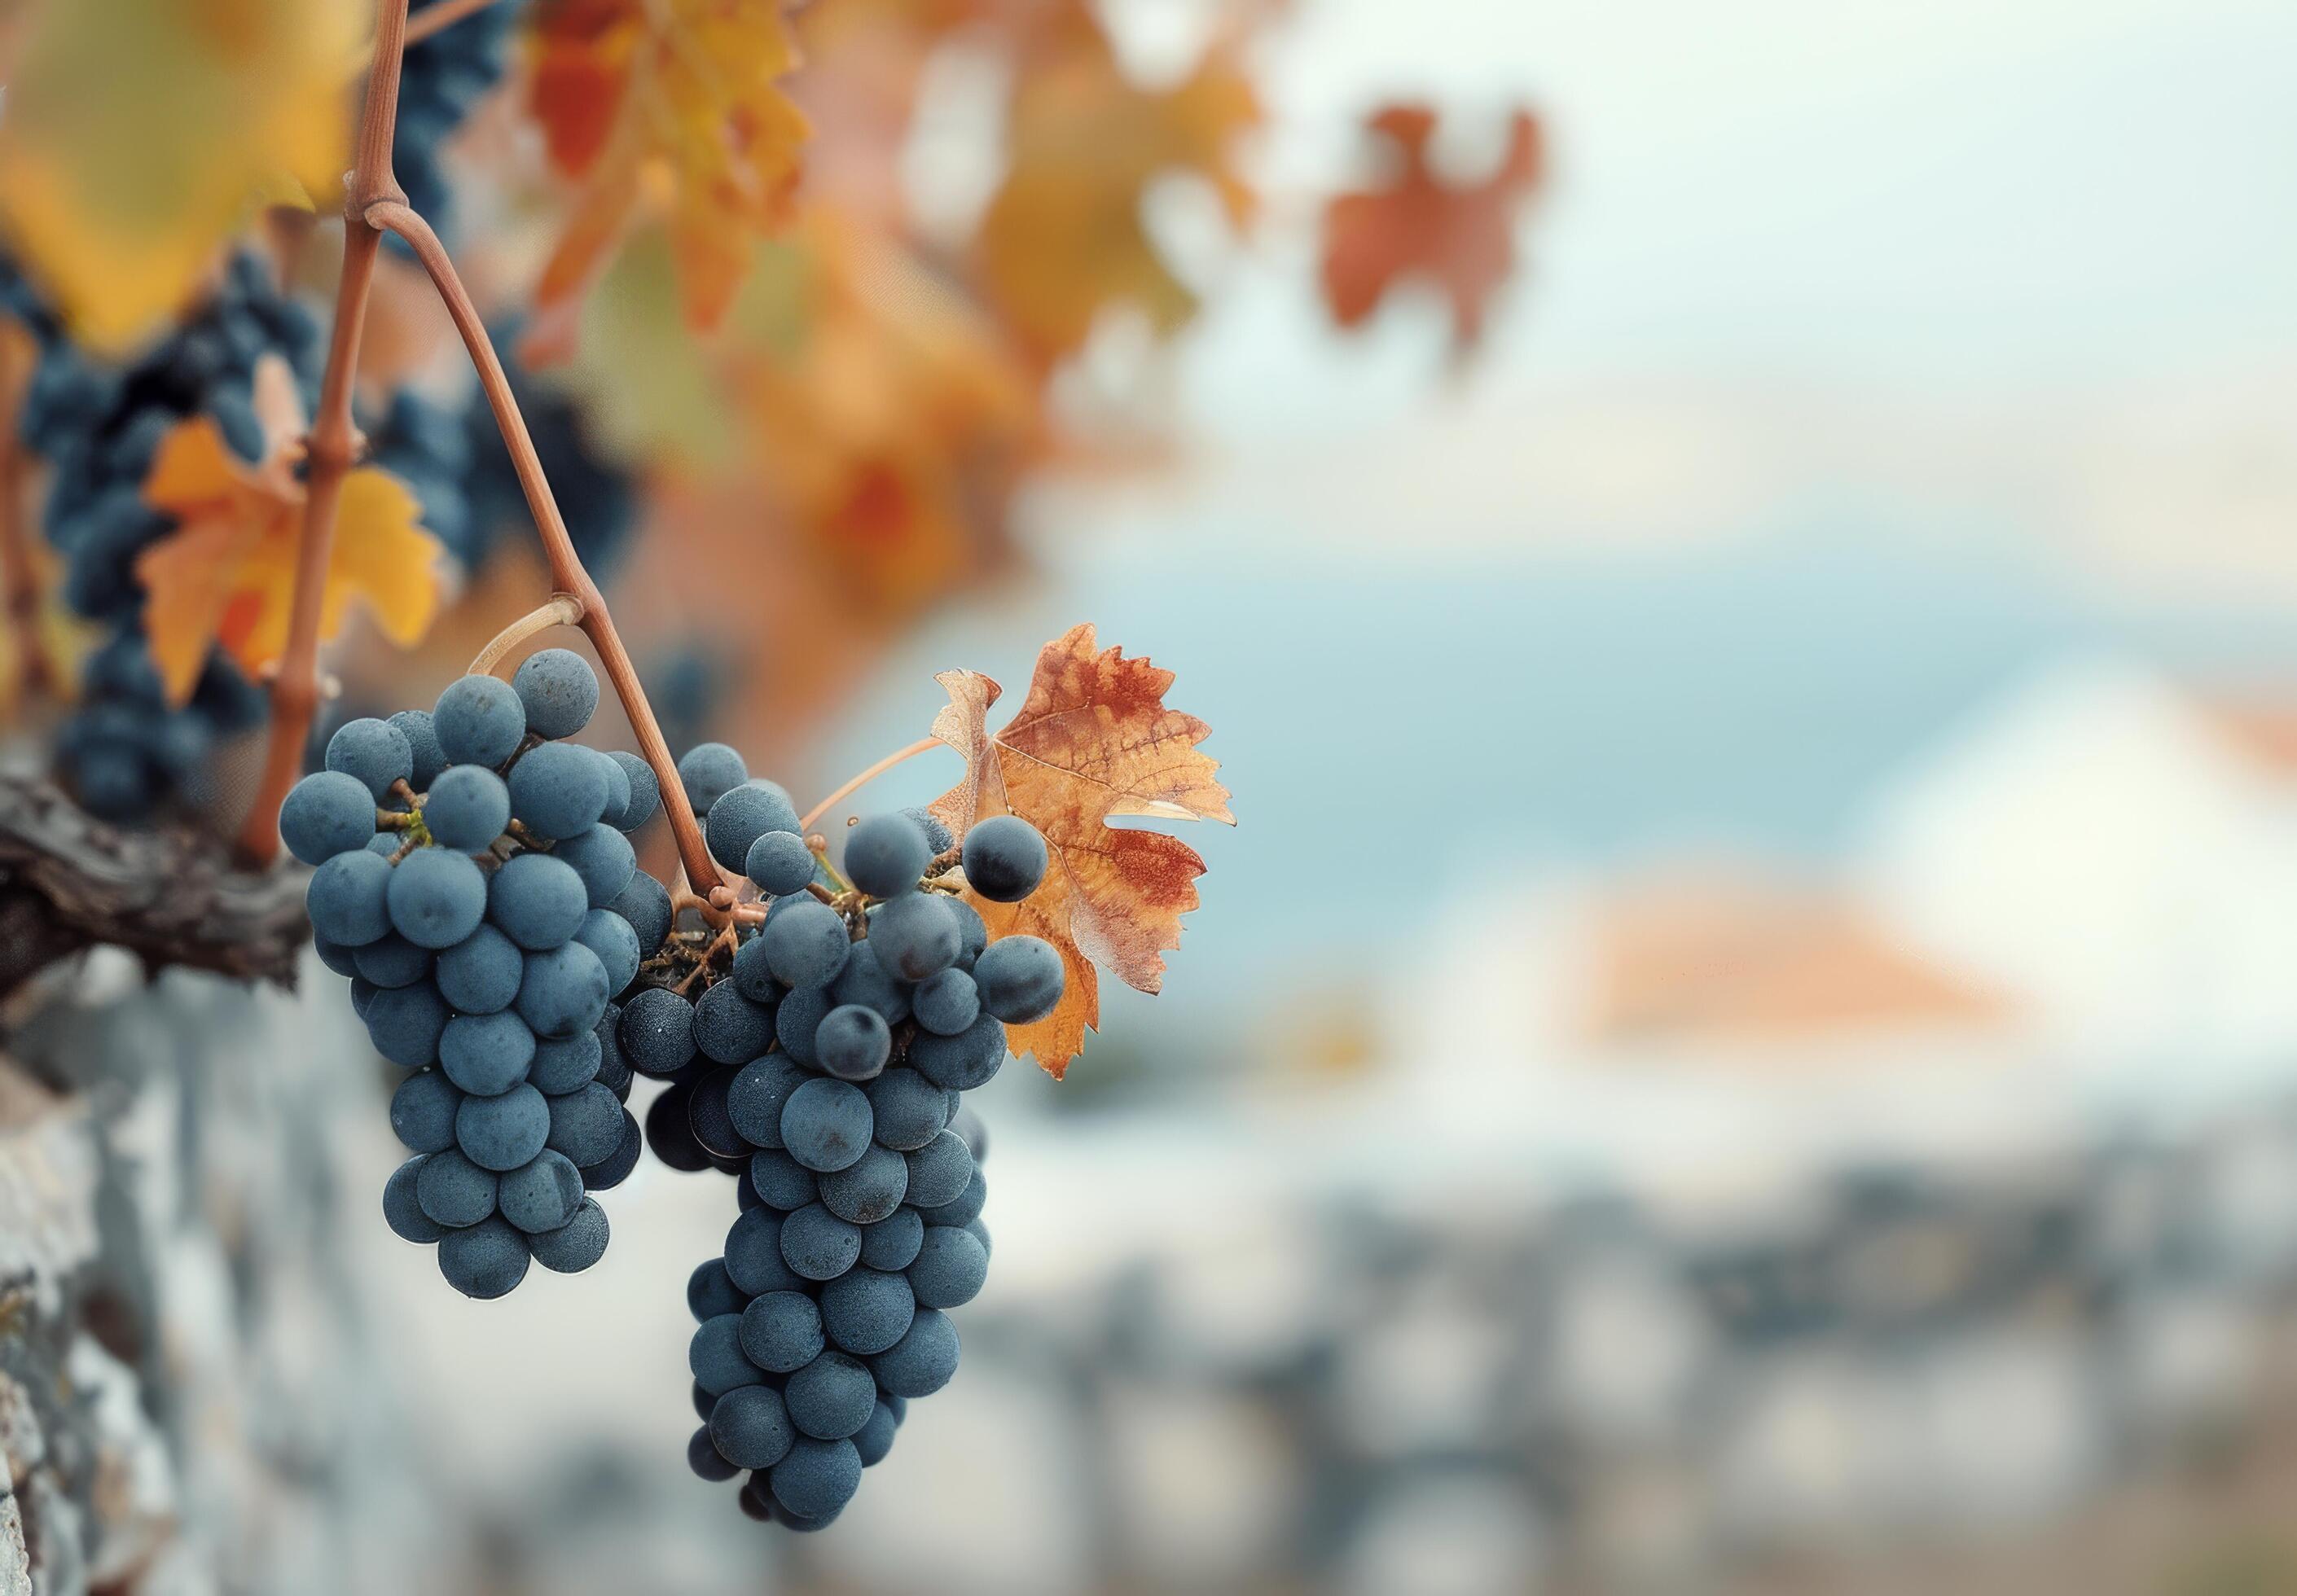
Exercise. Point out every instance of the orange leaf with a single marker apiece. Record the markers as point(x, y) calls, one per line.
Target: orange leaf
point(1462, 239)
point(226, 576)
point(1093, 740)
point(670, 107)
point(1064, 238)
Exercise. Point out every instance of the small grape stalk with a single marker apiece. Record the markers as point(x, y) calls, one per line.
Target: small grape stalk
point(472, 879)
point(824, 1065)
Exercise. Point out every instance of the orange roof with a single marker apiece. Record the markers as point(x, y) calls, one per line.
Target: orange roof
point(1732, 957)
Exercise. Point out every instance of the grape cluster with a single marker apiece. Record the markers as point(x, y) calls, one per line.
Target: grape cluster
point(827, 1068)
point(126, 750)
point(440, 79)
point(473, 880)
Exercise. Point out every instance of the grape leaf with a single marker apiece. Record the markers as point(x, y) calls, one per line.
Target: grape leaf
point(1092, 740)
point(1064, 238)
point(139, 133)
point(227, 574)
point(1460, 239)
point(664, 108)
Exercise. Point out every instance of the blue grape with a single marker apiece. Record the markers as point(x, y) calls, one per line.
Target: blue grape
point(947, 1003)
point(486, 1260)
point(806, 941)
point(614, 945)
point(454, 1191)
point(742, 815)
point(618, 790)
point(980, 1233)
point(645, 801)
point(467, 808)
point(670, 1133)
point(960, 1063)
point(710, 1291)
point(644, 903)
point(390, 960)
point(864, 981)
point(922, 1362)
point(780, 1180)
point(603, 858)
point(826, 1124)
point(781, 1331)
point(1020, 979)
point(972, 932)
point(868, 1189)
point(831, 1398)
point(906, 1109)
point(537, 901)
point(345, 898)
point(702, 1454)
point(817, 1244)
point(564, 990)
point(405, 1023)
point(754, 1255)
point(752, 977)
point(542, 1194)
point(885, 854)
point(915, 936)
point(892, 1242)
point(1004, 859)
point(374, 752)
point(971, 1126)
point(585, 1124)
point(797, 1018)
point(422, 747)
point(480, 973)
point(502, 1132)
point(751, 1428)
point(363, 993)
point(558, 690)
point(852, 1042)
point(565, 1063)
point(401, 1211)
point(709, 771)
point(728, 1028)
point(707, 1116)
point(325, 814)
point(876, 1438)
point(865, 1311)
point(968, 1207)
point(559, 789)
point(938, 836)
point(437, 897)
point(817, 1477)
point(615, 1167)
point(757, 1095)
point(657, 1030)
point(486, 1053)
point(779, 862)
point(574, 1245)
point(479, 720)
point(334, 955)
point(939, 1171)
point(423, 1111)
point(951, 1268)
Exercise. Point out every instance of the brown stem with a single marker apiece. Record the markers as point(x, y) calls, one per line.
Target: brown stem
point(439, 14)
point(563, 610)
point(922, 746)
point(566, 571)
point(332, 444)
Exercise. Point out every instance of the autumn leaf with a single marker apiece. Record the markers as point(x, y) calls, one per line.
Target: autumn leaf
point(140, 132)
point(1093, 740)
point(1065, 237)
point(1459, 239)
point(664, 109)
point(227, 574)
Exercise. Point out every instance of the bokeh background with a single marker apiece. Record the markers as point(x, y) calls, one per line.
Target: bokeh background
point(1745, 1040)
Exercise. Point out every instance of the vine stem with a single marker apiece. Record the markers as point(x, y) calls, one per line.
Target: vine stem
point(922, 746)
point(441, 14)
point(393, 215)
point(563, 610)
point(18, 577)
point(332, 445)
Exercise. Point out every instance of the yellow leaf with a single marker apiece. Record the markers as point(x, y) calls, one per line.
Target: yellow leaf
point(226, 576)
point(1093, 740)
point(137, 131)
